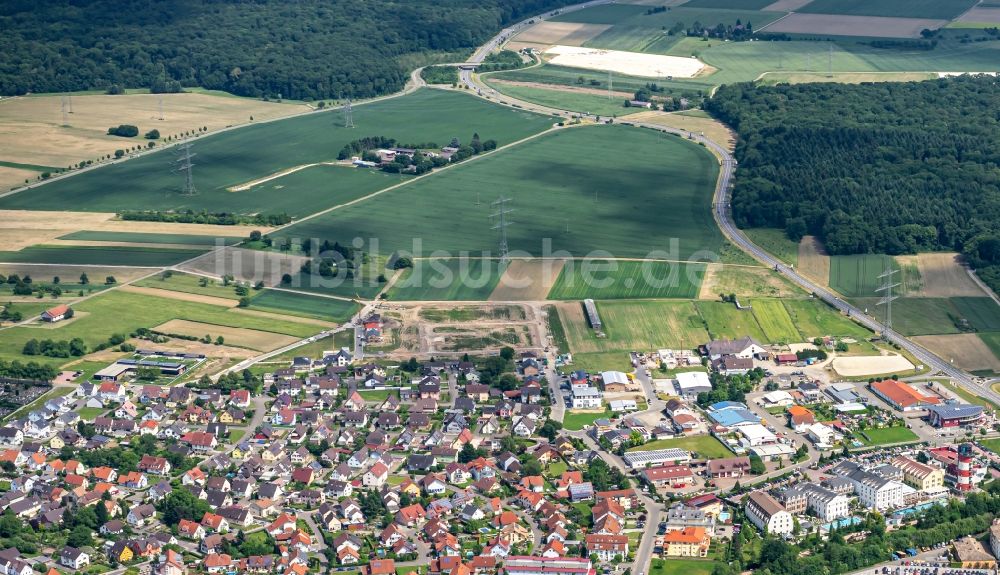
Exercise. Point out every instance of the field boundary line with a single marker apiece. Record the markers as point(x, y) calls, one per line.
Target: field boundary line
point(328, 296)
point(575, 258)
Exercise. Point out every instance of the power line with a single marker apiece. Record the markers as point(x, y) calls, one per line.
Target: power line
point(161, 107)
point(65, 118)
point(886, 285)
point(500, 215)
point(348, 115)
point(187, 168)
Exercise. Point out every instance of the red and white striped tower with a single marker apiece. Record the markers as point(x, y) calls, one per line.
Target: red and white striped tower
point(963, 470)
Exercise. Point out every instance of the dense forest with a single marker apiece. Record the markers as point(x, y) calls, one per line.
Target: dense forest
point(871, 168)
point(297, 49)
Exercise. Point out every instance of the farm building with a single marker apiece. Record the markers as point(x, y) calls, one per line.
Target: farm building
point(114, 372)
point(663, 476)
point(620, 405)
point(591, 308)
point(746, 348)
point(165, 367)
point(954, 415)
point(902, 396)
point(786, 358)
point(57, 313)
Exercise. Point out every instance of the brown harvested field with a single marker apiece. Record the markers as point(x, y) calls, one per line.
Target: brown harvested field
point(527, 280)
point(744, 281)
point(14, 177)
point(944, 276)
point(785, 5)
point(979, 14)
point(289, 318)
point(93, 243)
point(967, 349)
point(713, 129)
point(181, 296)
point(565, 33)
point(66, 272)
point(31, 130)
point(840, 25)
point(211, 351)
point(238, 336)
point(844, 77)
point(813, 260)
point(248, 265)
point(39, 227)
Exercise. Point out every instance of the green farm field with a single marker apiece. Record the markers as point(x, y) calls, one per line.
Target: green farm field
point(618, 202)
point(726, 322)
point(857, 276)
point(300, 304)
point(122, 312)
point(188, 283)
point(563, 99)
point(603, 14)
point(937, 9)
point(917, 315)
point(773, 319)
point(813, 318)
point(632, 325)
point(992, 340)
point(444, 280)
point(151, 238)
point(97, 255)
point(571, 77)
point(239, 156)
point(729, 4)
point(776, 243)
point(627, 280)
point(982, 312)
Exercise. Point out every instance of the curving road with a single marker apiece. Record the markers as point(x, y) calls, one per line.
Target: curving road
point(723, 215)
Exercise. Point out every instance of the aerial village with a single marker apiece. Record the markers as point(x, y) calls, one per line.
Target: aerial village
point(516, 464)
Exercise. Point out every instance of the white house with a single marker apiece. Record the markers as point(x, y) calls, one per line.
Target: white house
point(376, 476)
point(876, 492)
point(586, 397)
point(767, 514)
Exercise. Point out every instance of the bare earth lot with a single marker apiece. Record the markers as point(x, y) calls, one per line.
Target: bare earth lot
point(566, 33)
point(527, 280)
point(857, 366)
point(712, 129)
point(967, 349)
point(241, 337)
point(977, 14)
point(813, 260)
point(249, 265)
point(31, 130)
point(944, 276)
point(744, 281)
point(838, 25)
point(22, 228)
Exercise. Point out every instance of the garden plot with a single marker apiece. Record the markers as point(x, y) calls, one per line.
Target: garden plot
point(629, 63)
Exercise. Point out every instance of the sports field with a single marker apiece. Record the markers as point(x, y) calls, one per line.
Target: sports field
point(774, 321)
point(238, 156)
point(122, 312)
point(582, 189)
point(150, 238)
point(627, 280)
point(634, 325)
point(96, 255)
point(303, 305)
point(888, 435)
point(447, 279)
point(706, 446)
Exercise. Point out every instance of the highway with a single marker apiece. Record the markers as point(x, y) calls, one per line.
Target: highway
point(723, 216)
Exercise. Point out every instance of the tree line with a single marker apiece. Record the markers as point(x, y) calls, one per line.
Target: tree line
point(203, 217)
point(306, 50)
point(872, 168)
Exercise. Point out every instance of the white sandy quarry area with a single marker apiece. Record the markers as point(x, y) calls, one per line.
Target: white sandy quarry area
point(854, 366)
point(629, 63)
